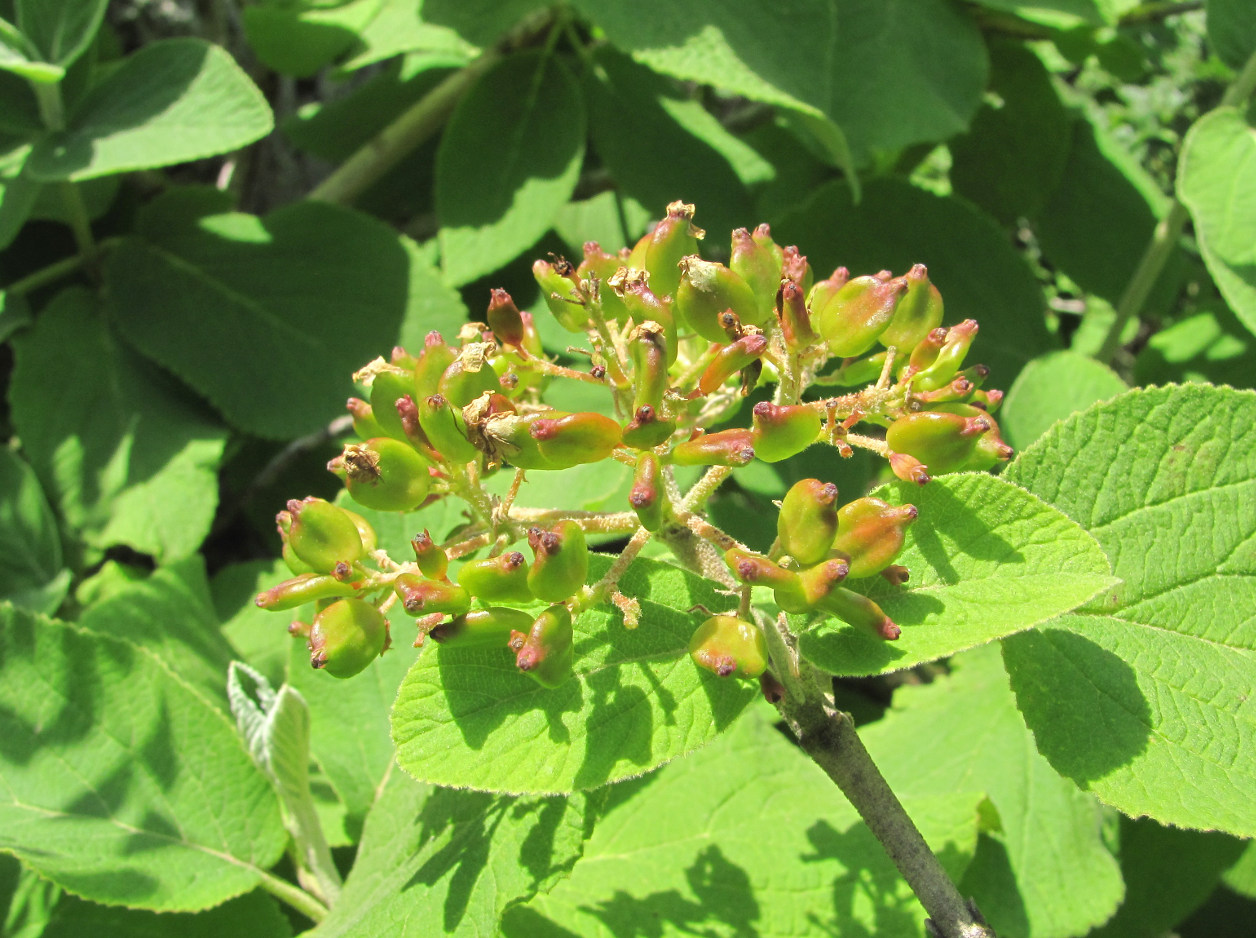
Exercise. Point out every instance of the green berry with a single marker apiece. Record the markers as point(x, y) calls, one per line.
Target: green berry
point(500, 579)
point(808, 520)
point(347, 636)
point(783, 431)
point(561, 564)
point(871, 534)
point(852, 319)
point(322, 535)
point(547, 652)
point(421, 597)
point(729, 647)
point(660, 250)
point(386, 474)
point(301, 589)
point(706, 290)
point(482, 627)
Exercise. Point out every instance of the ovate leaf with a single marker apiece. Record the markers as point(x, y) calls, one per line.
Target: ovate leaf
point(986, 558)
point(1144, 697)
point(507, 162)
point(32, 575)
point(121, 783)
point(126, 455)
point(60, 30)
point(437, 861)
point(1049, 389)
point(470, 718)
point(1217, 182)
point(174, 101)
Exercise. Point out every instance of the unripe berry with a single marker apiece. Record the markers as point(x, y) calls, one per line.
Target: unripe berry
point(644, 305)
point(870, 534)
point(500, 579)
point(561, 561)
point(949, 359)
point(432, 559)
point(824, 290)
point(420, 596)
point(647, 429)
point(446, 429)
point(504, 319)
point(705, 291)
point(757, 260)
point(949, 438)
point(547, 652)
point(783, 431)
point(346, 636)
point(567, 440)
point(646, 496)
point(861, 612)
point(731, 359)
point(795, 317)
point(733, 447)
point(387, 387)
point(599, 265)
point(301, 589)
point(323, 535)
point(561, 294)
point(431, 364)
point(468, 376)
point(482, 627)
point(808, 520)
point(661, 249)
point(385, 474)
point(919, 312)
point(364, 423)
point(857, 314)
point(729, 647)
point(794, 267)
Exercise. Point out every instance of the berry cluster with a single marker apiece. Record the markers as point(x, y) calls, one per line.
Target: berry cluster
point(678, 343)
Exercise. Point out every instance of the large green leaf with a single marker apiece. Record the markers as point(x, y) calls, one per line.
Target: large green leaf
point(1217, 182)
point(1231, 30)
point(126, 455)
point(1144, 697)
point(1041, 868)
point(986, 558)
point(470, 718)
point(1211, 346)
point(293, 303)
point(60, 30)
point(1057, 13)
point(745, 838)
point(255, 914)
point(173, 101)
point(119, 782)
point(1049, 389)
point(896, 225)
point(32, 576)
point(300, 38)
point(437, 861)
point(507, 162)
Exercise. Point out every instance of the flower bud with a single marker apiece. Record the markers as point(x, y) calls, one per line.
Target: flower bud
point(705, 291)
point(659, 251)
point(808, 520)
point(870, 534)
point(346, 636)
point(546, 653)
point(301, 589)
point(561, 564)
point(433, 561)
point(729, 647)
point(500, 579)
point(861, 612)
point(446, 430)
point(482, 628)
point(646, 496)
point(322, 535)
point(757, 260)
point(567, 440)
point(385, 474)
point(561, 293)
point(733, 447)
point(420, 596)
point(856, 314)
point(919, 312)
point(731, 359)
point(783, 431)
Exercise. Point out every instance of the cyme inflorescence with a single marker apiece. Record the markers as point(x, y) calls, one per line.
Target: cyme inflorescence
point(677, 343)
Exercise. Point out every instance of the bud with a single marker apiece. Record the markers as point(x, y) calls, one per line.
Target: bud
point(731, 359)
point(482, 627)
point(547, 652)
point(783, 431)
point(385, 474)
point(421, 597)
point(856, 314)
point(646, 496)
point(562, 561)
point(321, 534)
point(659, 252)
point(757, 260)
point(433, 561)
point(861, 612)
point(500, 579)
point(726, 448)
point(919, 312)
point(705, 291)
point(808, 520)
point(729, 647)
point(567, 440)
point(949, 360)
point(561, 294)
point(795, 317)
point(870, 534)
point(600, 266)
point(301, 589)
point(505, 319)
point(346, 636)
point(446, 430)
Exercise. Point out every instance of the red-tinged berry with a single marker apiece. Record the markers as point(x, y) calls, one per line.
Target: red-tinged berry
point(794, 267)
point(808, 520)
point(919, 312)
point(946, 439)
point(757, 260)
point(706, 290)
point(757, 570)
point(504, 318)
point(547, 653)
point(731, 359)
point(729, 647)
point(561, 293)
point(861, 612)
point(561, 562)
point(783, 431)
point(824, 290)
point(795, 318)
point(323, 535)
point(857, 314)
point(909, 469)
point(346, 637)
point(819, 580)
point(733, 447)
point(432, 559)
point(660, 250)
point(644, 305)
point(446, 429)
point(871, 534)
point(386, 475)
point(567, 440)
point(482, 628)
point(647, 429)
point(421, 596)
point(500, 579)
point(647, 496)
point(949, 359)
point(647, 347)
point(301, 589)
point(926, 351)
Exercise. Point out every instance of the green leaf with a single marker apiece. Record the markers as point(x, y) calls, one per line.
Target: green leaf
point(1231, 30)
point(125, 455)
point(1212, 346)
point(254, 914)
point(32, 576)
point(609, 218)
point(121, 783)
point(173, 101)
point(1060, 14)
point(19, 57)
point(27, 900)
point(1144, 697)
point(1041, 869)
point(257, 636)
point(470, 718)
point(508, 160)
point(18, 195)
point(60, 30)
point(896, 225)
point(297, 301)
point(746, 837)
point(1217, 182)
point(170, 614)
point(300, 38)
point(437, 861)
point(1049, 389)
point(1241, 877)
point(986, 558)
point(1168, 873)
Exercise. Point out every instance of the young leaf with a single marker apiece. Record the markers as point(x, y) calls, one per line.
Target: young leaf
point(126, 456)
point(1217, 182)
point(437, 861)
point(122, 784)
point(1144, 697)
point(173, 101)
point(746, 837)
point(32, 576)
point(60, 30)
point(468, 717)
point(507, 162)
point(1050, 388)
point(986, 558)
point(294, 300)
